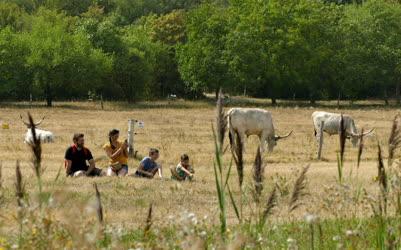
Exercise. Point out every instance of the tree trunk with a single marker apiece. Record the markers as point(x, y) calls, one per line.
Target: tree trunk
point(274, 101)
point(312, 101)
point(397, 93)
point(216, 93)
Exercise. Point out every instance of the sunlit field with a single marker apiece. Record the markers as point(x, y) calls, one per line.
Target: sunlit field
point(188, 212)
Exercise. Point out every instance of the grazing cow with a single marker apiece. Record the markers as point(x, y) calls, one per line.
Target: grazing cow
point(252, 121)
point(332, 126)
point(43, 135)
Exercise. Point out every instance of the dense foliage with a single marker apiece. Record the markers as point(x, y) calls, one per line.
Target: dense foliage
point(132, 50)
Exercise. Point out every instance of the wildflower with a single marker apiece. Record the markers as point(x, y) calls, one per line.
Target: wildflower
point(311, 218)
point(336, 238)
point(291, 241)
point(350, 233)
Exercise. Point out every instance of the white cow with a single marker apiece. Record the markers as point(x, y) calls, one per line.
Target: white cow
point(253, 121)
point(43, 135)
point(332, 126)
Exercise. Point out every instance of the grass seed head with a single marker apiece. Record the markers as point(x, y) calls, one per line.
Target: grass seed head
point(394, 141)
point(271, 203)
point(99, 207)
point(299, 190)
point(360, 149)
point(258, 170)
point(239, 158)
point(148, 223)
point(221, 122)
point(19, 185)
point(35, 147)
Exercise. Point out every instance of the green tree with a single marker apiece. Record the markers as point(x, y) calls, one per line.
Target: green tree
point(372, 52)
point(64, 63)
point(11, 15)
point(71, 7)
point(15, 76)
point(201, 60)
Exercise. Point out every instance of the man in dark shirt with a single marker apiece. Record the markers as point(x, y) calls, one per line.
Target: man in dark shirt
point(76, 158)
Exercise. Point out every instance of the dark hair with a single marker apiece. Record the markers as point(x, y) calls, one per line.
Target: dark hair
point(112, 133)
point(153, 151)
point(184, 157)
point(77, 136)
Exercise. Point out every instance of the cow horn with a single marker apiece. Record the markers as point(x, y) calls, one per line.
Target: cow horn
point(278, 137)
point(365, 133)
point(39, 122)
point(26, 124)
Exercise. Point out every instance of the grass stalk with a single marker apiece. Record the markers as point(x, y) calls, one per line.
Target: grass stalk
point(382, 176)
point(36, 148)
point(270, 204)
point(258, 169)
point(19, 186)
point(221, 122)
point(343, 136)
point(360, 149)
point(339, 169)
point(299, 190)
point(99, 207)
point(148, 223)
point(394, 141)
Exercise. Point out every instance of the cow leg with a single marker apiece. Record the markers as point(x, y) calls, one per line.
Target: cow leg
point(264, 144)
point(242, 138)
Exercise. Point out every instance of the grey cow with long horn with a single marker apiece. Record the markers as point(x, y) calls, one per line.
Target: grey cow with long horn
point(331, 126)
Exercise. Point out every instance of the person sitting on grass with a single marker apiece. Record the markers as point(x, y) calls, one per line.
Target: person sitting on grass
point(118, 154)
point(148, 166)
point(183, 171)
point(77, 158)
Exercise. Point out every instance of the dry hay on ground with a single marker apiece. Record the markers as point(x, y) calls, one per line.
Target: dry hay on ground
point(187, 129)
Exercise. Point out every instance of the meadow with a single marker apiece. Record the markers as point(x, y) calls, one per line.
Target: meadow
point(332, 213)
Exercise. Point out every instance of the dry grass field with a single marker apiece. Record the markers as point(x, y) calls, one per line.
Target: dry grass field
point(185, 127)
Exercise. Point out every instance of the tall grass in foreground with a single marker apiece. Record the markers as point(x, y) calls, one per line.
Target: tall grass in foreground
point(394, 141)
point(39, 228)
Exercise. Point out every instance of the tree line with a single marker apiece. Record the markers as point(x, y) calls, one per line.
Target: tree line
point(147, 49)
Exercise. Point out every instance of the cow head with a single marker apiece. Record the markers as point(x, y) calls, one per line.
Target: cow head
point(272, 142)
point(356, 137)
point(28, 125)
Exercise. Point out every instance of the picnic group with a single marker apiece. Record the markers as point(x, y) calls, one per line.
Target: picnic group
point(80, 162)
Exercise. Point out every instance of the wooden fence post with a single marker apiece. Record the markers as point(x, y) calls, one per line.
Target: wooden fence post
point(319, 153)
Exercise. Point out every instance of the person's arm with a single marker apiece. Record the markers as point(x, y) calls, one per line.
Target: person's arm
point(91, 166)
point(109, 152)
point(68, 165)
point(125, 148)
point(160, 171)
point(68, 161)
point(91, 162)
point(142, 171)
point(186, 171)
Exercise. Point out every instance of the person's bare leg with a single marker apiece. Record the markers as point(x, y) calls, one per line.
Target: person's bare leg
point(122, 172)
point(79, 173)
point(110, 172)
